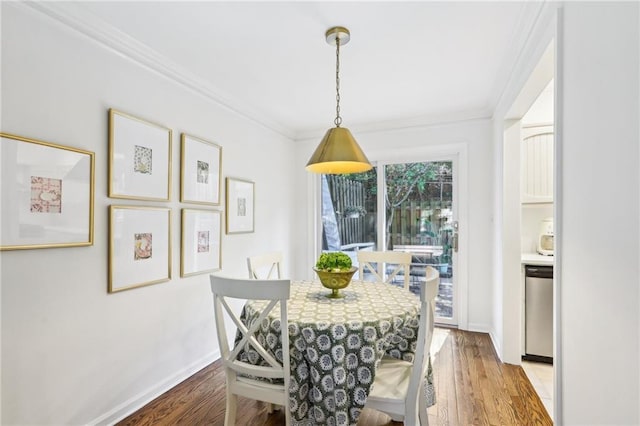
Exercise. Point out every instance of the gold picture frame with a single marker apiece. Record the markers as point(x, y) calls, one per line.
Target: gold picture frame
point(200, 171)
point(200, 242)
point(47, 194)
point(240, 212)
point(139, 158)
point(139, 246)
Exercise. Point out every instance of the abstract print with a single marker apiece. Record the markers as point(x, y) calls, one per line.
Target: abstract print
point(142, 160)
point(46, 195)
point(143, 246)
point(203, 241)
point(203, 172)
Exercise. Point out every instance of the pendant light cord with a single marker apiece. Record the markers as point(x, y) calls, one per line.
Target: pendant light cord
point(338, 120)
point(338, 152)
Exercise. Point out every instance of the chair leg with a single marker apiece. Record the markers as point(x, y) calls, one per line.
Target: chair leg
point(287, 414)
point(422, 407)
point(411, 416)
point(230, 414)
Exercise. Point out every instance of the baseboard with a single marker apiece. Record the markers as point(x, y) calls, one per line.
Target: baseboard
point(135, 403)
point(538, 358)
point(496, 345)
point(480, 328)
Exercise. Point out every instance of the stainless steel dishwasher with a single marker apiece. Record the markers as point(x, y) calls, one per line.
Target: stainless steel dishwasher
point(538, 284)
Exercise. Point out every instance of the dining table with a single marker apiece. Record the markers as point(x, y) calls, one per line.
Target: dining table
point(337, 344)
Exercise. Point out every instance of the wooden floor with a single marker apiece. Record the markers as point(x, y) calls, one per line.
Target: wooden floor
point(472, 388)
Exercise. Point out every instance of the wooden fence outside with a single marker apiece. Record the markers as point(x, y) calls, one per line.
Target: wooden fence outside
point(349, 204)
point(414, 222)
point(420, 222)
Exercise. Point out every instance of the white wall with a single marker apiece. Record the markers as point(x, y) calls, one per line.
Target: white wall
point(510, 242)
point(476, 136)
point(597, 123)
point(599, 114)
point(71, 353)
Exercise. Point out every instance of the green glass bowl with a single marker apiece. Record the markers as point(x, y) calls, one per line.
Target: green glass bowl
point(335, 281)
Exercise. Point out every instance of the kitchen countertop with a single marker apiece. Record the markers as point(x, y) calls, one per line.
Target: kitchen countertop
point(536, 259)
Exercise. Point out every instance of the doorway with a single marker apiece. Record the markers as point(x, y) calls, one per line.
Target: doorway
point(528, 158)
point(409, 206)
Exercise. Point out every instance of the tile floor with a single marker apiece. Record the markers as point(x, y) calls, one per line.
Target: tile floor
point(541, 377)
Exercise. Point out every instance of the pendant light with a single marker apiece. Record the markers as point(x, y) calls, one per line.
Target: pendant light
point(338, 151)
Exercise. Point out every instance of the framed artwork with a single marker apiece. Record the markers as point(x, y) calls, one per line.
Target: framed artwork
point(46, 193)
point(139, 246)
point(240, 204)
point(139, 158)
point(200, 241)
point(201, 171)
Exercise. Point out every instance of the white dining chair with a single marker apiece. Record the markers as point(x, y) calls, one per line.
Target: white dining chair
point(243, 378)
point(398, 262)
point(265, 266)
point(398, 385)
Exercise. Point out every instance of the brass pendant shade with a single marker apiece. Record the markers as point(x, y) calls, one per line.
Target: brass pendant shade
point(338, 151)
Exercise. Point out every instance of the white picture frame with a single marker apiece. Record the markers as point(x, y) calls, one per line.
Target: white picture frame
point(139, 246)
point(46, 193)
point(200, 242)
point(240, 195)
point(139, 158)
point(201, 171)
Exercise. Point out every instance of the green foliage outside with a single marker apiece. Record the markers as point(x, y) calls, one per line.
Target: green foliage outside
point(405, 183)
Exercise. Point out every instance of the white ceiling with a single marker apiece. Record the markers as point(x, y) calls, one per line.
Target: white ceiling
point(407, 62)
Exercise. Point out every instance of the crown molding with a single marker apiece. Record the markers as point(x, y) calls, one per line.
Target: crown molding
point(72, 16)
point(534, 21)
point(406, 123)
point(530, 16)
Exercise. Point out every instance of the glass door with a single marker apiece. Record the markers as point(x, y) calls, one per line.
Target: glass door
point(398, 206)
point(420, 218)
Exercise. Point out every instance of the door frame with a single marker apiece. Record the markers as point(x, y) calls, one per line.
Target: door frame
point(521, 91)
point(382, 228)
point(458, 152)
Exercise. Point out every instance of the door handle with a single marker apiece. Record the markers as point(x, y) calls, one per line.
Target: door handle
point(454, 243)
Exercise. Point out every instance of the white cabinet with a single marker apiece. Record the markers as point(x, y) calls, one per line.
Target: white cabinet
point(536, 165)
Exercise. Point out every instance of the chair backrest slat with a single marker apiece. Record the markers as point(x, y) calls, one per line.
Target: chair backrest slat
point(247, 369)
point(257, 266)
point(255, 289)
point(401, 262)
point(248, 336)
point(274, 291)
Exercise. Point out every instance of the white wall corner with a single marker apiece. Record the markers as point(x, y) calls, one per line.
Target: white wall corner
point(511, 288)
point(496, 344)
point(480, 328)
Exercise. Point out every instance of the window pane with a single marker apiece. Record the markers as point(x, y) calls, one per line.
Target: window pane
point(349, 212)
point(418, 217)
point(419, 220)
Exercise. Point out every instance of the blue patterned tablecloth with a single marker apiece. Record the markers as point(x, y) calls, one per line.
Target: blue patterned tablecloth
point(336, 345)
